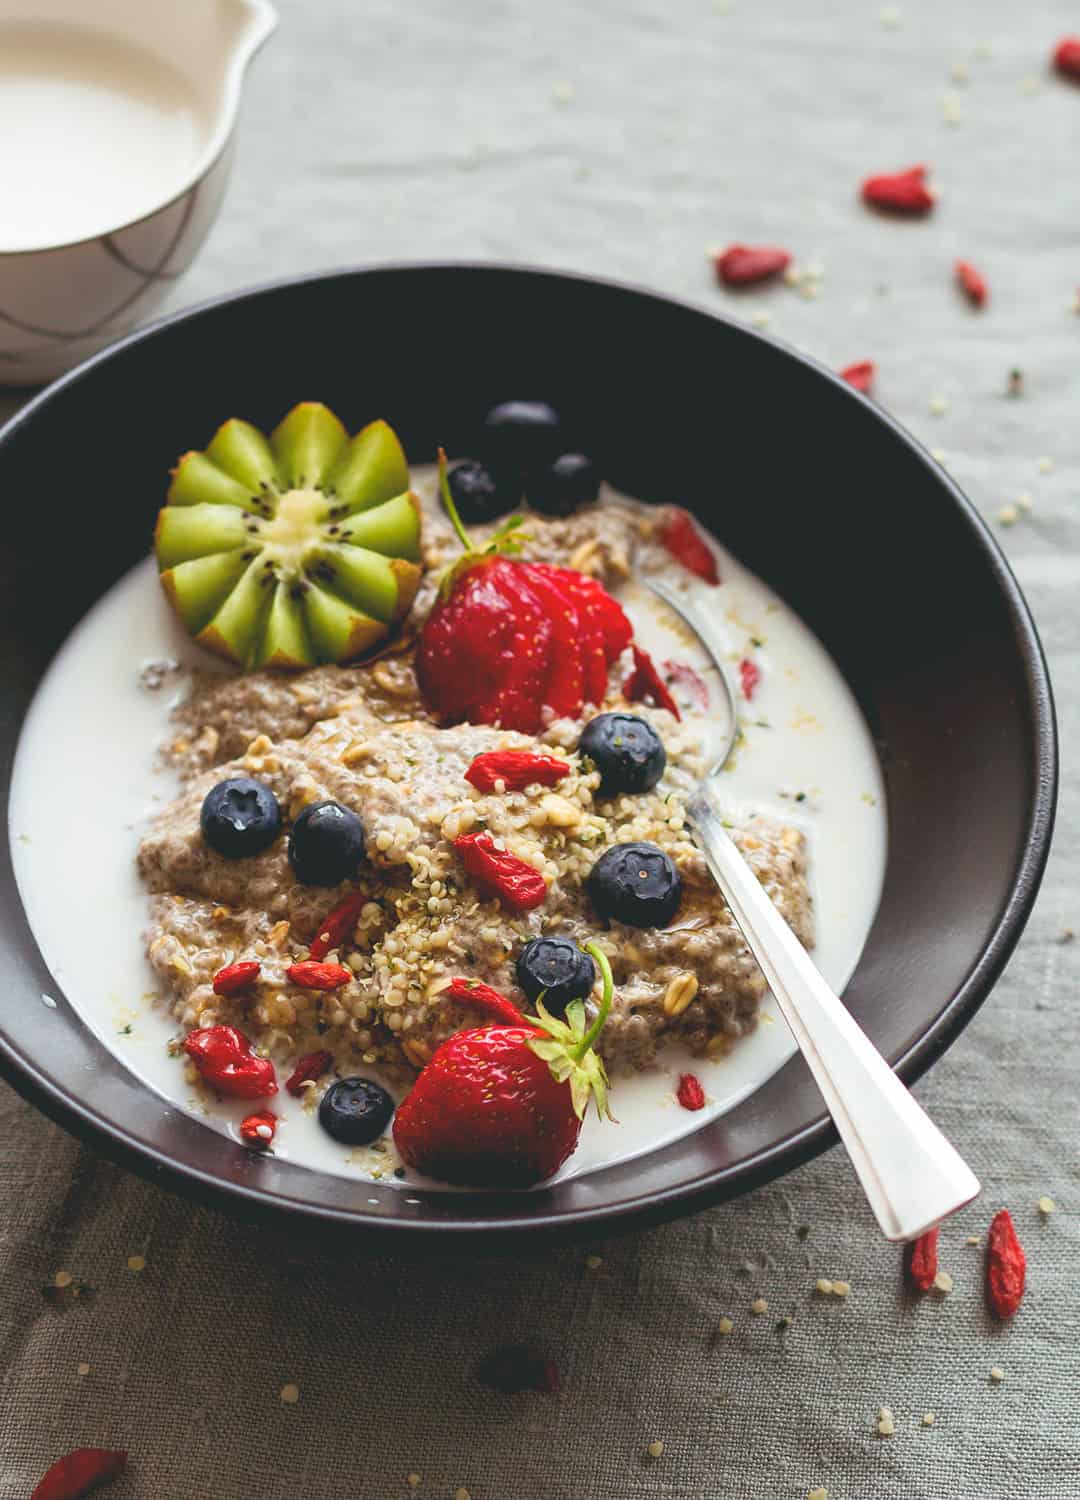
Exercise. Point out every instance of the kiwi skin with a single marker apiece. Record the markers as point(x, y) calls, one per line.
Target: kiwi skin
point(294, 549)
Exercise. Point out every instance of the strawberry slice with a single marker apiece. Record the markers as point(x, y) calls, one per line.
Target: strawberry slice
point(564, 685)
point(590, 634)
point(616, 628)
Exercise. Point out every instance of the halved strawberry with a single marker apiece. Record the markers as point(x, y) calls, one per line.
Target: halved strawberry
point(501, 1106)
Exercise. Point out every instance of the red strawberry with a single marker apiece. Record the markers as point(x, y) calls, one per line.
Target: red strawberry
point(502, 1106)
point(509, 639)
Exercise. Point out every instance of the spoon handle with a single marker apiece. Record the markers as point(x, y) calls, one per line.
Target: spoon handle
point(909, 1172)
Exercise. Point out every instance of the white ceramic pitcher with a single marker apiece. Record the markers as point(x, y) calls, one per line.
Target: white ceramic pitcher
point(136, 102)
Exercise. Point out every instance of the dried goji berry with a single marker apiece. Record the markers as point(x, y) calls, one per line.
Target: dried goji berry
point(743, 265)
point(516, 1368)
point(685, 676)
point(686, 544)
point(482, 997)
point(515, 769)
point(749, 677)
point(312, 976)
point(518, 885)
point(1006, 1266)
point(79, 1472)
point(309, 1067)
point(337, 925)
point(690, 1094)
point(860, 376)
point(900, 192)
point(922, 1260)
point(646, 685)
point(1067, 57)
point(258, 1129)
point(972, 282)
point(223, 1057)
point(235, 977)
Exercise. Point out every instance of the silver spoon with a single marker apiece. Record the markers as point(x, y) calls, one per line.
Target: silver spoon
point(911, 1175)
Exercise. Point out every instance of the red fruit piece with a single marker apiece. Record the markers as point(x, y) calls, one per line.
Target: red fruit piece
point(899, 192)
point(749, 677)
point(690, 1094)
point(743, 265)
point(518, 886)
point(337, 925)
point(1006, 1266)
point(686, 677)
point(515, 769)
point(922, 1260)
point(972, 283)
point(591, 652)
point(515, 1368)
point(860, 376)
point(313, 976)
point(510, 639)
point(1067, 57)
point(483, 998)
point(563, 686)
point(471, 1116)
point(501, 1106)
point(79, 1472)
point(646, 685)
point(223, 1057)
point(309, 1067)
point(258, 1129)
point(235, 977)
point(686, 544)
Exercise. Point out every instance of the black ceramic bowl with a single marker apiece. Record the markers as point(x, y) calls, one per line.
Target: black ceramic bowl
point(811, 485)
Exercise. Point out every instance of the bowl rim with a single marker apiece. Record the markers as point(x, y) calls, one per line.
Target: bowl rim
point(764, 1165)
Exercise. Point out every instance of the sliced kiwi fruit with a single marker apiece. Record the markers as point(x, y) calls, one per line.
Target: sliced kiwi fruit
point(292, 549)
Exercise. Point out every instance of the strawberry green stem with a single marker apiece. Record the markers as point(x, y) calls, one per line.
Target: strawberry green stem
point(448, 502)
point(605, 1002)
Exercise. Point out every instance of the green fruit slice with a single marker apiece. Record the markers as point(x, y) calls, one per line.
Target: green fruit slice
point(306, 443)
point(187, 531)
point(392, 528)
point(235, 628)
point(299, 548)
point(198, 588)
point(284, 641)
point(243, 452)
point(338, 631)
point(198, 481)
point(371, 469)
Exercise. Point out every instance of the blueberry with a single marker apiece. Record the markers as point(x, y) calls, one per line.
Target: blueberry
point(479, 494)
point(355, 1111)
point(556, 965)
point(636, 884)
point(326, 844)
point(240, 817)
point(626, 750)
point(520, 437)
point(563, 486)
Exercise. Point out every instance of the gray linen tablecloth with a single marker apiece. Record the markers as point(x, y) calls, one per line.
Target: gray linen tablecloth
point(624, 139)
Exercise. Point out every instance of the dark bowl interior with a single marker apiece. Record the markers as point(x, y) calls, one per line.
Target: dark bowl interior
point(811, 485)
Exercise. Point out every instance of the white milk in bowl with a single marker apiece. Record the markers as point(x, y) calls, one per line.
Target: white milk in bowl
point(96, 134)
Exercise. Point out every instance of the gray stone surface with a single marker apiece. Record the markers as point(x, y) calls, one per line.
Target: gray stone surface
point(624, 139)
